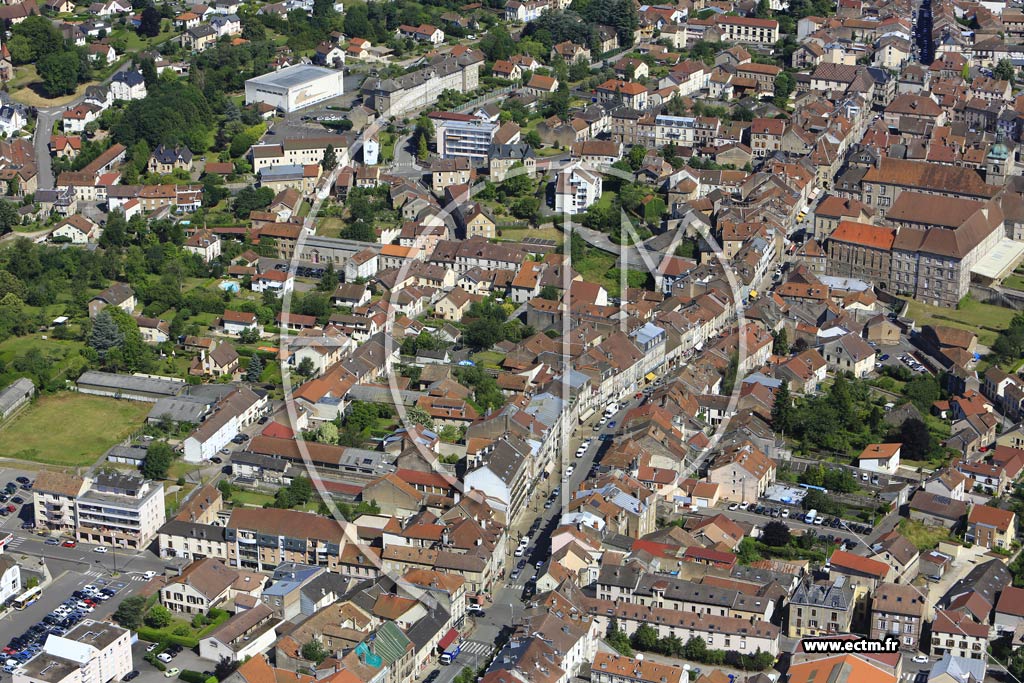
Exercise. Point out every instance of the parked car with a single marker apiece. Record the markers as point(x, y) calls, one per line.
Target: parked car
point(164, 657)
point(101, 549)
point(131, 675)
point(172, 672)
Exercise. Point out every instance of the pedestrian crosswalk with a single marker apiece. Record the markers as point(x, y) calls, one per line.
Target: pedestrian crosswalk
point(15, 542)
point(475, 647)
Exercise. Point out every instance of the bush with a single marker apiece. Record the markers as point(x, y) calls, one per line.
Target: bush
point(190, 676)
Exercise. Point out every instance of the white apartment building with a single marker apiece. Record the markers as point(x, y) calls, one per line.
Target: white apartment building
point(576, 189)
point(462, 135)
point(53, 496)
point(121, 510)
point(92, 652)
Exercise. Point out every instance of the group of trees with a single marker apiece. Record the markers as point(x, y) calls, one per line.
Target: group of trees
point(490, 324)
point(118, 344)
point(62, 66)
point(696, 649)
point(838, 420)
point(297, 493)
point(1009, 345)
point(173, 113)
point(518, 192)
point(486, 393)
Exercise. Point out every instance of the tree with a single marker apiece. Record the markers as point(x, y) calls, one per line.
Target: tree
point(329, 281)
point(105, 334)
point(636, 157)
point(60, 72)
point(497, 44)
point(618, 639)
point(159, 457)
point(129, 612)
point(784, 87)
point(1004, 70)
point(419, 416)
point(254, 370)
point(780, 343)
point(158, 617)
point(783, 411)
point(923, 390)
point(313, 651)
point(917, 441)
point(224, 668)
point(327, 432)
point(776, 534)
point(422, 148)
point(549, 292)
point(747, 552)
point(306, 367)
point(149, 24)
point(645, 638)
point(357, 20)
point(330, 160)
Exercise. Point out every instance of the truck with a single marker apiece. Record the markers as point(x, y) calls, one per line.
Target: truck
point(449, 655)
point(810, 516)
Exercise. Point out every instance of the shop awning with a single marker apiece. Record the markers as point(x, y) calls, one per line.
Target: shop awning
point(448, 639)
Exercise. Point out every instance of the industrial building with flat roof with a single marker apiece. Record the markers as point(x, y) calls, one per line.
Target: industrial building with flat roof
point(295, 87)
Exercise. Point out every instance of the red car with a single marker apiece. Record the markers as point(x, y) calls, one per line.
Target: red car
point(69, 544)
point(11, 508)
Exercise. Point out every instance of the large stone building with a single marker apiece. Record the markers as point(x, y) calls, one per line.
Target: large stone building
point(398, 96)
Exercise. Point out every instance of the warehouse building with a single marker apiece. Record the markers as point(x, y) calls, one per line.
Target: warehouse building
point(295, 87)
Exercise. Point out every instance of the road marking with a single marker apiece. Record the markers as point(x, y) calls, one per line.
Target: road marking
point(475, 647)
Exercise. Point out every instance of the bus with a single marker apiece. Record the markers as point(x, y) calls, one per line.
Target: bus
point(4, 540)
point(28, 597)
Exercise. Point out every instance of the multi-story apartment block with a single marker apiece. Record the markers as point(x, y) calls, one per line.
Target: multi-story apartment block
point(398, 96)
point(462, 135)
point(956, 633)
point(743, 472)
point(897, 611)
point(263, 539)
point(576, 190)
point(54, 494)
point(818, 609)
point(92, 652)
point(748, 30)
point(120, 510)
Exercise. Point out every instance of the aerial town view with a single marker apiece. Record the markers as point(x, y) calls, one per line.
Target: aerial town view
point(511, 341)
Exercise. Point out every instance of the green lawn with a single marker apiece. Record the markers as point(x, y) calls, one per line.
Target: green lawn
point(251, 498)
point(62, 355)
point(518, 234)
point(1014, 282)
point(985, 320)
point(924, 537)
point(488, 358)
point(595, 268)
point(88, 426)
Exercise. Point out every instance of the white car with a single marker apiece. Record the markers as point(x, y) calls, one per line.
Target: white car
point(569, 470)
point(744, 505)
point(101, 549)
point(921, 659)
point(148, 575)
point(785, 513)
point(164, 657)
point(734, 506)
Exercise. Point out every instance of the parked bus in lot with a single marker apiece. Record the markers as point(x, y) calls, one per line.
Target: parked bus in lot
point(28, 597)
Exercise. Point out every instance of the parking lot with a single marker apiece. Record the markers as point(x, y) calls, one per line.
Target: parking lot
point(827, 528)
point(66, 601)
